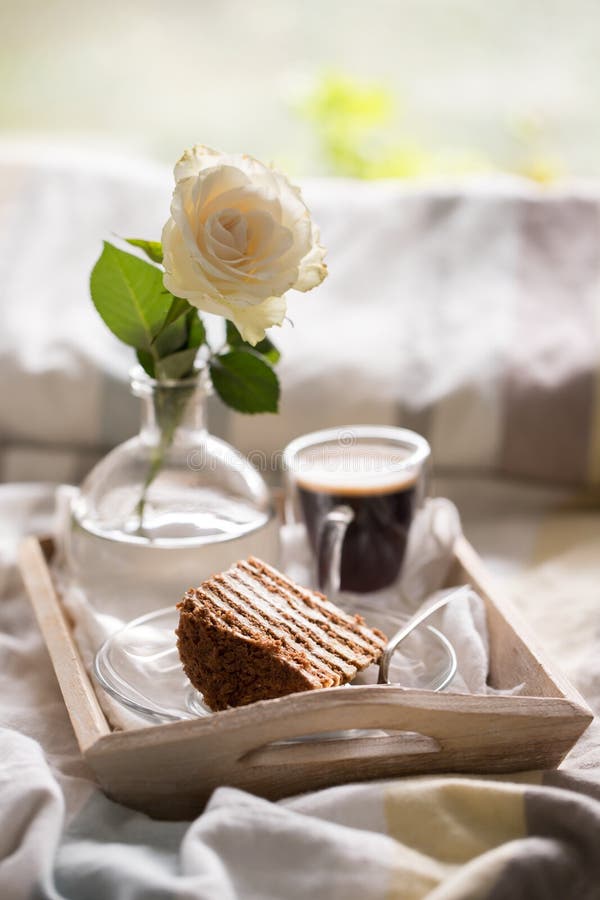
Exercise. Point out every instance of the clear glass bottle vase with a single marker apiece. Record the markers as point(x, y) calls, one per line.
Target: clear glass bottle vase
point(167, 508)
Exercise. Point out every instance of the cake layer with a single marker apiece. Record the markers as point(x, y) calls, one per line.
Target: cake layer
point(253, 614)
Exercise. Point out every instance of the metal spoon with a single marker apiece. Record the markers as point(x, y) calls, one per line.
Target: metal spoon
point(416, 620)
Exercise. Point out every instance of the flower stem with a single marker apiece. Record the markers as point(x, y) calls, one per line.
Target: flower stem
point(156, 464)
point(170, 404)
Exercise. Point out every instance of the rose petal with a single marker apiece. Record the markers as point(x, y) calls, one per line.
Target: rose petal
point(313, 269)
point(210, 187)
point(239, 236)
point(194, 160)
point(253, 321)
point(183, 276)
point(226, 234)
point(245, 198)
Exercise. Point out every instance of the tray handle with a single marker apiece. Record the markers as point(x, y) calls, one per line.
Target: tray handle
point(365, 744)
point(396, 721)
point(314, 728)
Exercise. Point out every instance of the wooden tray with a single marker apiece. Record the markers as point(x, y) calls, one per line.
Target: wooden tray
point(169, 771)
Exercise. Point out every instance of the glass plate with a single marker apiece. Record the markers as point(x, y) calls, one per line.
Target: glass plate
point(139, 664)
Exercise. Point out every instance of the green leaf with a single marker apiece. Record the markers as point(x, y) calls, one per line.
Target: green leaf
point(152, 249)
point(177, 365)
point(173, 333)
point(186, 331)
point(129, 296)
point(268, 349)
point(245, 382)
point(265, 347)
point(196, 329)
point(178, 308)
point(233, 337)
point(173, 338)
point(146, 361)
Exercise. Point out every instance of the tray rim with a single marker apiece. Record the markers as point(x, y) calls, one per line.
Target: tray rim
point(556, 715)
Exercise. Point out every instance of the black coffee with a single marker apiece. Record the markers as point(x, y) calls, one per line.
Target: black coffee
point(375, 541)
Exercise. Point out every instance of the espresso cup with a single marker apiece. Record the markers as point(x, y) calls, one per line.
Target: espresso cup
point(356, 489)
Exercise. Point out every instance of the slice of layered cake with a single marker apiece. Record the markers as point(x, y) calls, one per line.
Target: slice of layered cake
point(252, 634)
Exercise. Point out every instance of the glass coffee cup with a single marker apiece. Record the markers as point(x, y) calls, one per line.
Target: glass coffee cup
point(356, 489)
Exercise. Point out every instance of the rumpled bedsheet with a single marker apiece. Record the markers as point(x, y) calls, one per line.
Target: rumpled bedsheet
point(531, 835)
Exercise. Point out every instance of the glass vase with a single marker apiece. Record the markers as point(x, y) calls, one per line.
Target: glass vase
point(167, 508)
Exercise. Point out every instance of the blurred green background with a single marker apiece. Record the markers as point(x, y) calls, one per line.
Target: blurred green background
point(409, 88)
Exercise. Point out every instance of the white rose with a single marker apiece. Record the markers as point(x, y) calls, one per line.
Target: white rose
point(239, 237)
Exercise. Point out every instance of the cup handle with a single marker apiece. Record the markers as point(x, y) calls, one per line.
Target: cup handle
point(329, 553)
